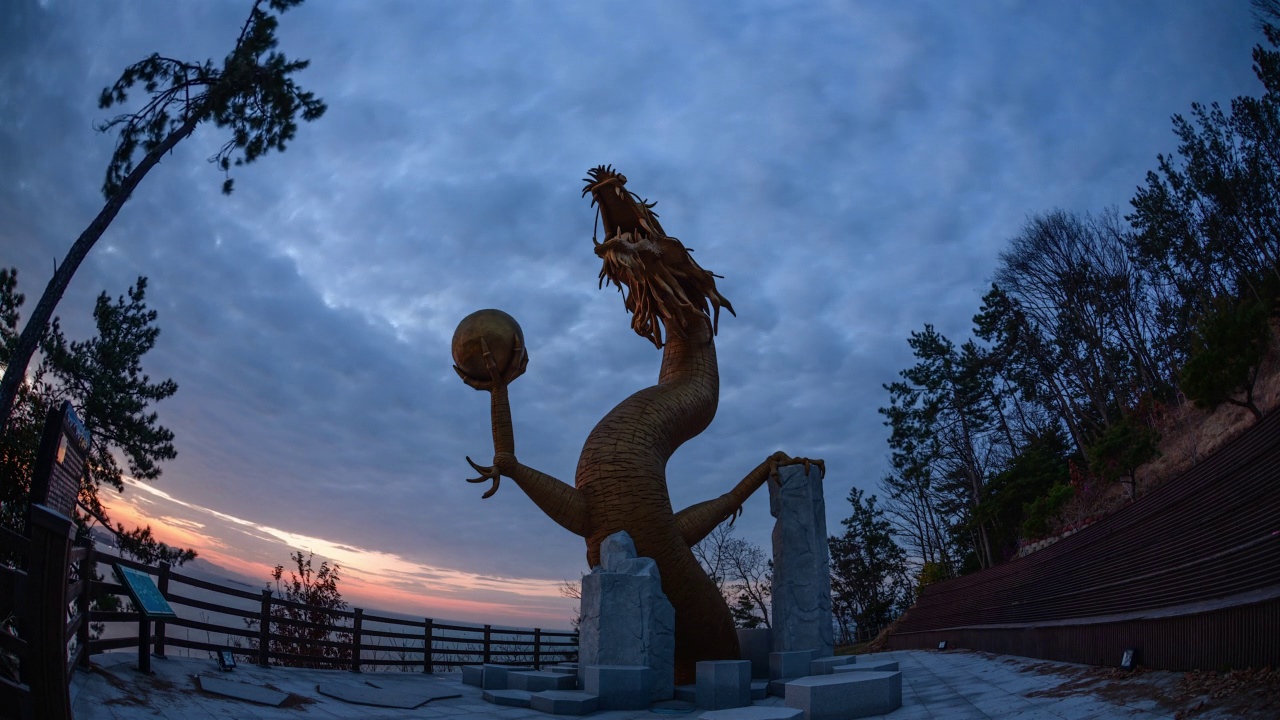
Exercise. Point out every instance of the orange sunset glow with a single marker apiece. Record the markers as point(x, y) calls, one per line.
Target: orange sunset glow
point(370, 579)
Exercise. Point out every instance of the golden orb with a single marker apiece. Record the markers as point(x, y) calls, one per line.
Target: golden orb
point(501, 334)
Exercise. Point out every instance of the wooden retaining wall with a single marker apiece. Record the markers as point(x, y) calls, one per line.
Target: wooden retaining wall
point(1188, 575)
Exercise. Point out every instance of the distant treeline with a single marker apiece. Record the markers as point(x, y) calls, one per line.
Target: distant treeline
point(1097, 327)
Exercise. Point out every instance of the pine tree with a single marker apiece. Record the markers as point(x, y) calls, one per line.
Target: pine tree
point(103, 379)
point(250, 93)
point(868, 570)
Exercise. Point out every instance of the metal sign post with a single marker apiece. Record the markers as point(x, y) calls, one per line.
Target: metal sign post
point(151, 605)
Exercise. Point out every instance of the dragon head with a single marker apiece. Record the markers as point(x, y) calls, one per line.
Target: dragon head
point(663, 284)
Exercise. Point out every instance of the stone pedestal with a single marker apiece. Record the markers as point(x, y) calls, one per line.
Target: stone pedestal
point(619, 687)
point(755, 644)
point(801, 564)
point(626, 618)
point(789, 664)
point(723, 684)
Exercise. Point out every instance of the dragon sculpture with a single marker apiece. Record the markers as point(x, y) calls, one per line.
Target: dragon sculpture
point(621, 482)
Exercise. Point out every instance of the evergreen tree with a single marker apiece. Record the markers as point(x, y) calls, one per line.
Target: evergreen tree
point(1227, 349)
point(1028, 492)
point(1207, 226)
point(250, 93)
point(1125, 445)
point(944, 427)
point(868, 570)
point(103, 379)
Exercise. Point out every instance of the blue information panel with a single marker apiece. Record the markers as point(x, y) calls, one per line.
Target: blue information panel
point(144, 593)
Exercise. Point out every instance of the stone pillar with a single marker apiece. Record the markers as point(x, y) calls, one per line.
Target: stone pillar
point(801, 563)
point(626, 618)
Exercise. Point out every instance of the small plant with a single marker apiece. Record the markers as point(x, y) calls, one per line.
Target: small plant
point(312, 632)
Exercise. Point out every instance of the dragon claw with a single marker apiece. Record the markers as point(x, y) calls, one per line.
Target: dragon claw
point(489, 364)
point(519, 362)
point(781, 459)
point(734, 515)
point(486, 473)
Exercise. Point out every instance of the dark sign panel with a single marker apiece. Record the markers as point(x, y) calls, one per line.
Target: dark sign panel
point(60, 463)
point(144, 593)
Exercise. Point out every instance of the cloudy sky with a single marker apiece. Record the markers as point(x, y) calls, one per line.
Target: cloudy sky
point(852, 169)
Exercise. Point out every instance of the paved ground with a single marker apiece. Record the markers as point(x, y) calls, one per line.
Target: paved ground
point(955, 685)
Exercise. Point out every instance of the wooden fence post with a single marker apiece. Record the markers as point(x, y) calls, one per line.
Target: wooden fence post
point(355, 640)
point(46, 673)
point(427, 666)
point(163, 587)
point(264, 629)
point(537, 649)
point(88, 570)
point(488, 648)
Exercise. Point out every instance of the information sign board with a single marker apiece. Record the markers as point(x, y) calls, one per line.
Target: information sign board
point(144, 593)
point(60, 461)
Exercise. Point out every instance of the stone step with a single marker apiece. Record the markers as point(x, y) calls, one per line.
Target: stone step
point(846, 695)
point(535, 681)
point(488, 677)
point(511, 698)
point(824, 666)
point(881, 666)
point(759, 689)
point(242, 691)
point(564, 702)
point(778, 688)
point(754, 713)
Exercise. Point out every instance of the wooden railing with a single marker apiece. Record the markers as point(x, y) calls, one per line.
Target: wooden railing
point(13, 584)
point(44, 604)
point(258, 638)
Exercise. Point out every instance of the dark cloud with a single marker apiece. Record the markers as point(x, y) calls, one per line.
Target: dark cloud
point(852, 171)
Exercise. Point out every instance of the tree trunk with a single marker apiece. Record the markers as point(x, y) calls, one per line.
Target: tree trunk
point(36, 325)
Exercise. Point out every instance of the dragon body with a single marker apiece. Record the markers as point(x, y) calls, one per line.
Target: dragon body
point(620, 483)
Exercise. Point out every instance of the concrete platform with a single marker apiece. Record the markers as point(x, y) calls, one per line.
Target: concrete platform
point(367, 693)
point(250, 692)
point(952, 684)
